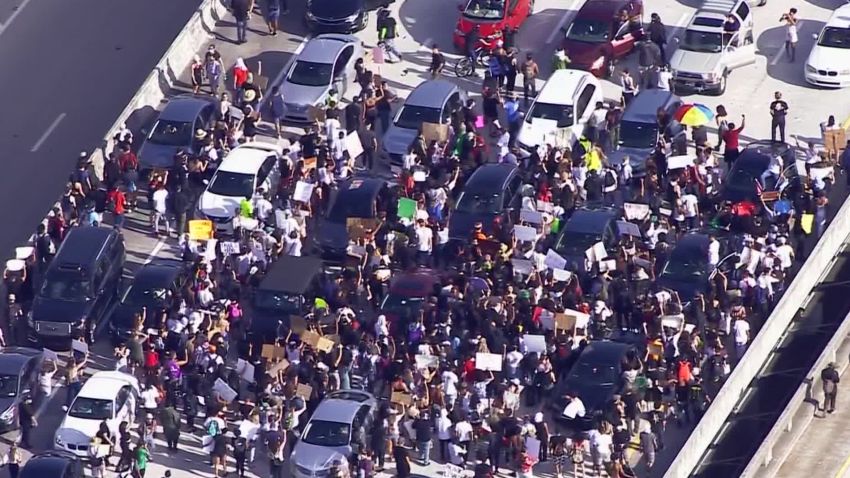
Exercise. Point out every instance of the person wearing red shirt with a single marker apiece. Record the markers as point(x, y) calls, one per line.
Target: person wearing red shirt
point(731, 137)
point(117, 202)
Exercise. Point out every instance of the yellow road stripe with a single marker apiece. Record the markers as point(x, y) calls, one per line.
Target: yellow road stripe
point(846, 123)
point(843, 468)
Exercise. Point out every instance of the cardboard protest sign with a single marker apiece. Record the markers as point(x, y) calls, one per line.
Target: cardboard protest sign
point(200, 229)
point(50, 355)
point(353, 145)
point(554, 260)
point(224, 391)
point(297, 324)
point(406, 208)
point(492, 362)
point(427, 361)
point(279, 367)
point(325, 344)
point(271, 351)
point(401, 398)
point(672, 321)
point(311, 338)
point(303, 191)
point(525, 233)
point(534, 343)
point(435, 132)
point(636, 211)
point(247, 373)
point(316, 114)
point(304, 391)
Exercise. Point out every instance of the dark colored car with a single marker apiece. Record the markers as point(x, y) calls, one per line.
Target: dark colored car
point(596, 38)
point(175, 129)
point(408, 293)
point(358, 198)
point(595, 378)
point(288, 288)
point(155, 287)
point(492, 193)
point(740, 183)
point(687, 270)
point(338, 16)
point(583, 229)
point(52, 464)
point(19, 371)
point(82, 281)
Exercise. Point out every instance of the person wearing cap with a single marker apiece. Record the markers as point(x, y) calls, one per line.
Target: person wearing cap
point(830, 379)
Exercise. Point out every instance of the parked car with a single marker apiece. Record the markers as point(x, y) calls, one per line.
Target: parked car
point(53, 464)
point(326, 63)
point(341, 16)
point(491, 17)
point(80, 284)
point(582, 230)
point(561, 110)
point(639, 129)
point(105, 397)
point(19, 372)
point(752, 162)
point(407, 294)
point(687, 270)
point(357, 198)
point(328, 433)
point(595, 377)
point(245, 169)
point(828, 64)
point(433, 101)
point(175, 129)
point(491, 194)
point(155, 287)
point(596, 39)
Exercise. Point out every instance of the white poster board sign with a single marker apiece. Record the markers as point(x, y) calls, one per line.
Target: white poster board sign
point(636, 211)
point(554, 260)
point(491, 362)
point(353, 145)
point(303, 191)
point(79, 346)
point(224, 391)
point(525, 233)
point(534, 343)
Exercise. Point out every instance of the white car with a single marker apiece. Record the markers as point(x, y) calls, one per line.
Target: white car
point(246, 168)
point(828, 64)
point(559, 114)
point(105, 397)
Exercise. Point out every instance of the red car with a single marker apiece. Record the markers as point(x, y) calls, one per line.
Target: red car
point(602, 32)
point(491, 16)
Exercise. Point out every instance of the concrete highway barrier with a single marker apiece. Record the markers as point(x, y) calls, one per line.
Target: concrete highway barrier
point(810, 275)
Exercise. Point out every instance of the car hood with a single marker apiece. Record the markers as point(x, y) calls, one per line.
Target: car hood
point(77, 430)
point(686, 290)
point(302, 94)
point(397, 140)
point(461, 224)
point(637, 157)
point(594, 397)
point(317, 458)
point(123, 315)
point(218, 206)
point(826, 58)
point(334, 9)
point(535, 133)
point(695, 62)
point(154, 155)
point(333, 235)
point(52, 310)
point(583, 53)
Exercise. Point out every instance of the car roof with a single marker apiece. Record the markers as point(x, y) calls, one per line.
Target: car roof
point(840, 17)
point(156, 275)
point(325, 48)
point(14, 358)
point(717, 7)
point(247, 158)
point(82, 245)
point(105, 385)
point(428, 92)
point(601, 9)
point(47, 464)
point(419, 283)
point(489, 177)
point(360, 189)
point(291, 274)
point(561, 86)
point(644, 107)
point(590, 221)
point(605, 351)
point(184, 108)
point(695, 241)
point(336, 410)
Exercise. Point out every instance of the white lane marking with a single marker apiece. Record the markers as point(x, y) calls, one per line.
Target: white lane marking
point(47, 133)
point(4, 26)
point(426, 45)
point(279, 77)
point(158, 247)
point(781, 51)
point(569, 13)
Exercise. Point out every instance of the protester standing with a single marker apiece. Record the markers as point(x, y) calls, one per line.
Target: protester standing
point(830, 378)
point(241, 10)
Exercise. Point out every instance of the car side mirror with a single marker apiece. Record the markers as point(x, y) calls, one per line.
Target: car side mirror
point(814, 36)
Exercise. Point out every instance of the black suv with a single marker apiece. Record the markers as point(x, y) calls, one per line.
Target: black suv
point(492, 193)
point(53, 464)
point(583, 229)
point(79, 285)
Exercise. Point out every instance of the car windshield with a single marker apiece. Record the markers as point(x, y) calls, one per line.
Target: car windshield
point(485, 9)
point(634, 134)
point(576, 243)
point(412, 117)
point(489, 203)
point(145, 296)
point(325, 433)
point(833, 37)
point(308, 73)
point(276, 301)
point(171, 133)
point(398, 304)
point(741, 179)
point(8, 385)
point(589, 31)
point(702, 42)
point(593, 374)
point(226, 183)
point(562, 114)
point(91, 409)
point(685, 267)
point(69, 288)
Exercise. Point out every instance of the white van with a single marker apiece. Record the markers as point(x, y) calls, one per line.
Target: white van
point(705, 55)
point(561, 110)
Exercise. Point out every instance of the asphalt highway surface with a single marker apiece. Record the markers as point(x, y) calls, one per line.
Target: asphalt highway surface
point(67, 70)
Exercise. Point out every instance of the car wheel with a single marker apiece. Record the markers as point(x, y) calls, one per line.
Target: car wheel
point(722, 88)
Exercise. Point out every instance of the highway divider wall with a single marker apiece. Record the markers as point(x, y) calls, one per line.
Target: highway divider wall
point(810, 274)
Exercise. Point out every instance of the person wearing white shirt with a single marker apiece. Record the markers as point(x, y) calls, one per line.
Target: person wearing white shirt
point(332, 128)
point(263, 207)
point(292, 245)
point(575, 407)
point(150, 399)
point(690, 205)
point(424, 242)
point(450, 381)
point(713, 251)
point(444, 433)
point(160, 210)
point(774, 170)
point(512, 360)
point(785, 253)
point(742, 336)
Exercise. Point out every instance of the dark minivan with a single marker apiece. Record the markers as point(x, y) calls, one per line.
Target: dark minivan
point(156, 287)
point(583, 229)
point(359, 198)
point(491, 193)
point(81, 282)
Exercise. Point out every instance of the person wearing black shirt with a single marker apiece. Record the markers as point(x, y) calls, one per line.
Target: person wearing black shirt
point(473, 37)
point(730, 28)
point(354, 115)
point(658, 35)
point(309, 143)
point(438, 61)
point(830, 378)
point(778, 111)
point(26, 418)
point(402, 461)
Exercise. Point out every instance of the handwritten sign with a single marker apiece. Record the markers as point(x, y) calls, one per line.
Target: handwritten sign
point(271, 351)
point(200, 229)
point(522, 266)
point(427, 361)
point(532, 217)
point(311, 338)
point(279, 367)
point(636, 211)
point(229, 248)
point(325, 344)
